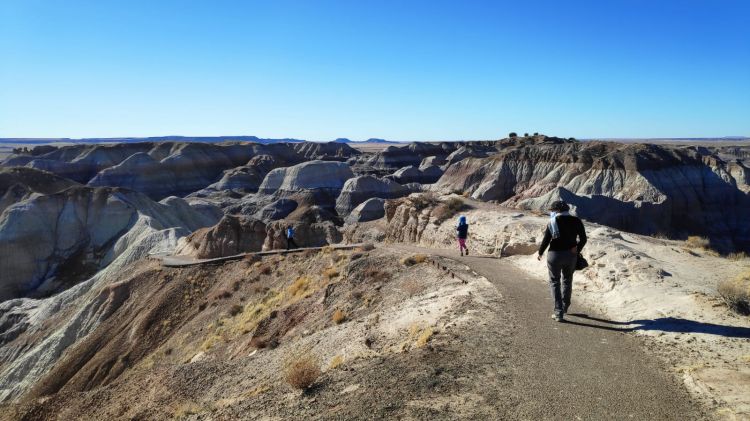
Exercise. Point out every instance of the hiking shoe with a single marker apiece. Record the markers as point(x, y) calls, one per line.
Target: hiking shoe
point(557, 317)
point(467, 252)
point(462, 252)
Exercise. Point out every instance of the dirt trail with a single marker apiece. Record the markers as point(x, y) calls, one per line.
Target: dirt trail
point(581, 369)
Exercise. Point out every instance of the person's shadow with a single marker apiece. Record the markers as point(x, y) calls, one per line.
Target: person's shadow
point(664, 324)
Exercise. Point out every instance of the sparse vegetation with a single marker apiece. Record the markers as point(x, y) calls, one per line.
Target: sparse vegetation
point(447, 209)
point(372, 273)
point(235, 310)
point(424, 337)
point(525, 135)
point(365, 247)
point(696, 242)
point(330, 273)
point(186, 409)
point(336, 362)
point(301, 372)
point(512, 134)
point(412, 287)
point(424, 200)
point(736, 293)
point(338, 317)
point(413, 259)
point(299, 286)
point(737, 256)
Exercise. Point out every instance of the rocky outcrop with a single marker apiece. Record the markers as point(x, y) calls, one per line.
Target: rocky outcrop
point(422, 175)
point(359, 189)
point(19, 183)
point(50, 242)
point(278, 209)
point(188, 167)
point(312, 175)
point(329, 151)
point(464, 152)
point(646, 189)
point(231, 236)
point(369, 210)
point(394, 157)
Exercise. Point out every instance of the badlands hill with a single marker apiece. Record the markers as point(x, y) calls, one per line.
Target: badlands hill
point(89, 317)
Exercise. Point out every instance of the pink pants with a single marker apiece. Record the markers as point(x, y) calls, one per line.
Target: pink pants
point(461, 243)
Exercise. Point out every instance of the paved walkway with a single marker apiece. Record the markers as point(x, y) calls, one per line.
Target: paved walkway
point(580, 369)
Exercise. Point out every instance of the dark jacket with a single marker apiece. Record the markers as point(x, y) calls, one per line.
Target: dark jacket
point(462, 231)
point(570, 228)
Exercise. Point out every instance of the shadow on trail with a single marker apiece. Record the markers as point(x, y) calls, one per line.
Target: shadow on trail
point(664, 324)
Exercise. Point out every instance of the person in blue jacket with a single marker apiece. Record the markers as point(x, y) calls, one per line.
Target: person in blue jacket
point(462, 232)
point(290, 244)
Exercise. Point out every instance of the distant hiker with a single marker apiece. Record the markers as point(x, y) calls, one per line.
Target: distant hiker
point(462, 232)
point(290, 244)
point(565, 237)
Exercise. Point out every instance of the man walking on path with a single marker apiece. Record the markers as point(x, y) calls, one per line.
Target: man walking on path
point(290, 244)
point(565, 236)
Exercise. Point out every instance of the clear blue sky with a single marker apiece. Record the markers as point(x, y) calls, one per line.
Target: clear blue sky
point(403, 70)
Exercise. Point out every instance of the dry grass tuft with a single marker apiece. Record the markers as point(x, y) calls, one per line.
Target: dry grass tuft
point(336, 362)
point(299, 287)
point(413, 287)
point(365, 247)
point(265, 269)
point(696, 242)
point(447, 209)
point(301, 372)
point(235, 310)
point(338, 317)
point(737, 256)
point(413, 260)
point(424, 337)
point(331, 273)
point(424, 200)
point(186, 409)
point(736, 293)
point(372, 273)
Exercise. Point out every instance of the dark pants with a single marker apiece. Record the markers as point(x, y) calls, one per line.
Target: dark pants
point(561, 262)
point(290, 243)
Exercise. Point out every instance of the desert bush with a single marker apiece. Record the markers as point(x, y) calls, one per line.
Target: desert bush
point(737, 256)
point(424, 337)
point(186, 409)
point(330, 273)
point(301, 372)
point(413, 287)
point(338, 317)
point(424, 200)
point(413, 259)
point(447, 209)
point(536, 133)
point(299, 286)
point(697, 242)
point(736, 293)
point(372, 273)
point(512, 134)
point(265, 269)
point(366, 247)
point(235, 310)
point(525, 135)
point(336, 362)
